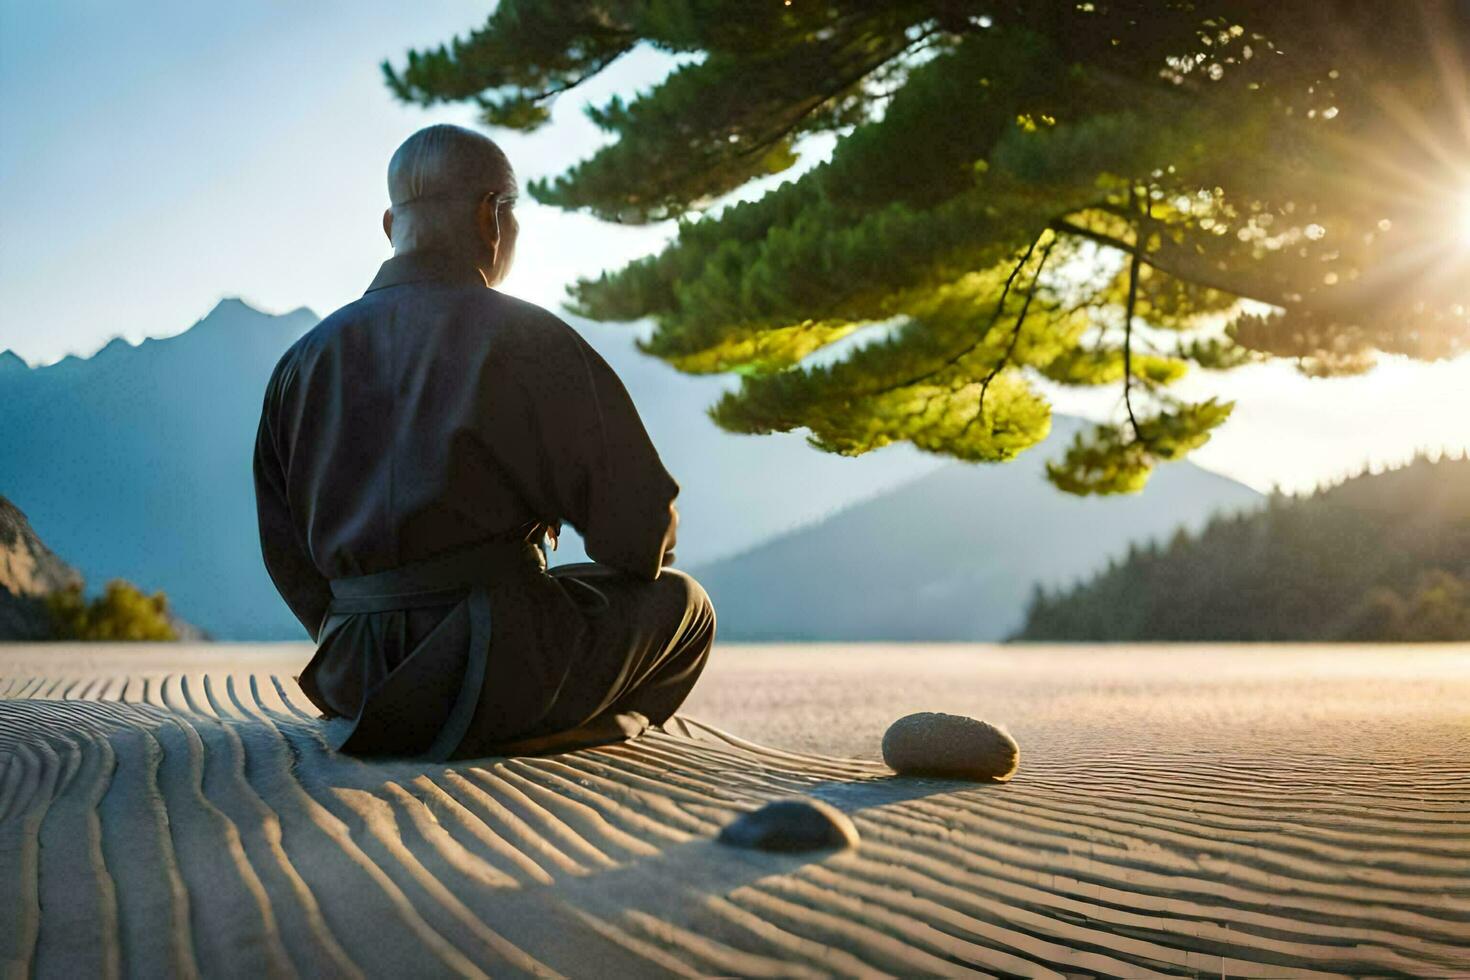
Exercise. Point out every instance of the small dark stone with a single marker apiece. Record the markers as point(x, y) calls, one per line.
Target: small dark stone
point(791, 825)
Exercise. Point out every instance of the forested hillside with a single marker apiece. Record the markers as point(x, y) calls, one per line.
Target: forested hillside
point(1378, 557)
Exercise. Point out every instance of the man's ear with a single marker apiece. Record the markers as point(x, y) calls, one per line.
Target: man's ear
point(487, 220)
point(388, 224)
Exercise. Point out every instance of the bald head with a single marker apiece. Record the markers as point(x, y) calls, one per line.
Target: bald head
point(451, 189)
point(440, 162)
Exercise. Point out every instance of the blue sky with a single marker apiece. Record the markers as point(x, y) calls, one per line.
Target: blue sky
point(157, 156)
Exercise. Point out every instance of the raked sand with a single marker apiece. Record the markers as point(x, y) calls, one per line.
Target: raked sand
point(1279, 811)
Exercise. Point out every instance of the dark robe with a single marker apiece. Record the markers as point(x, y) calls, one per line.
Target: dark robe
point(434, 415)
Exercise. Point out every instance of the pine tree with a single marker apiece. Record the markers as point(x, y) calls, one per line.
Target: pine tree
point(1095, 193)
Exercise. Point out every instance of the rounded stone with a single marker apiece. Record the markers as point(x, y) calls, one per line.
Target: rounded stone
point(933, 744)
point(799, 824)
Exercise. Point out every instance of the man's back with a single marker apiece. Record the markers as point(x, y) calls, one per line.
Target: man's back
point(413, 450)
point(406, 411)
point(433, 413)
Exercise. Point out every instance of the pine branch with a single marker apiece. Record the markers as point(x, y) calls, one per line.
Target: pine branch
point(1134, 264)
point(1232, 288)
point(822, 97)
point(556, 90)
point(1128, 342)
point(1015, 334)
point(969, 349)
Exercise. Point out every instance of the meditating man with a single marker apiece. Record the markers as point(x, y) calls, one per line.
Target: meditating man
point(415, 451)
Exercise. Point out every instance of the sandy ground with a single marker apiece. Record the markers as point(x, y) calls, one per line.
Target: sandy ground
point(1071, 703)
point(1280, 811)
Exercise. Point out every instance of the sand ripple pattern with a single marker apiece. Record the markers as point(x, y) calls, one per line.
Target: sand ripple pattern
point(182, 825)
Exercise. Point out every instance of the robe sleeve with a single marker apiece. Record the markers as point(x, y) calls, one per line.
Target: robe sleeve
point(596, 468)
point(295, 575)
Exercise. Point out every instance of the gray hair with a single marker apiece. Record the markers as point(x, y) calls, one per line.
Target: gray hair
point(436, 178)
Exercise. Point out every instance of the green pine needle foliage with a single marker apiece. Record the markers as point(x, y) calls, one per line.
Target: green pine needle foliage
point(1102, 193)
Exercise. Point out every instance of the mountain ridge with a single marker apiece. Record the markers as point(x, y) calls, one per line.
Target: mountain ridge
point(136, 463)
point(227, 307)
point(950, 555)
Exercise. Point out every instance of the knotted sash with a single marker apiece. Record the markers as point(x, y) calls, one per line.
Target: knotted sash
point(464, 575)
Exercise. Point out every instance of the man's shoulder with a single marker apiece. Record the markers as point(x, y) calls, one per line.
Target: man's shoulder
point(533, 315)
point(325, 327)
point(365, 308)
point(530, 329)
point(313, 340)
point(520, 327)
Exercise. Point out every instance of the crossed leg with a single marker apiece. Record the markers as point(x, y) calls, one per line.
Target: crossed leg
point(648, 644)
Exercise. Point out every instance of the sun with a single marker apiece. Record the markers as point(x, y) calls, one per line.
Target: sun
point(1463, 218)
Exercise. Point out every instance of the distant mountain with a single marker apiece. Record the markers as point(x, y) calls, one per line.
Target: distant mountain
point(1377, 558)
point(29, 571)
point(951, 555)
point(135, 462)
point(736, 490)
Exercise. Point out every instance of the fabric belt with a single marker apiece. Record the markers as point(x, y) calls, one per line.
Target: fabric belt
point(458, 576)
